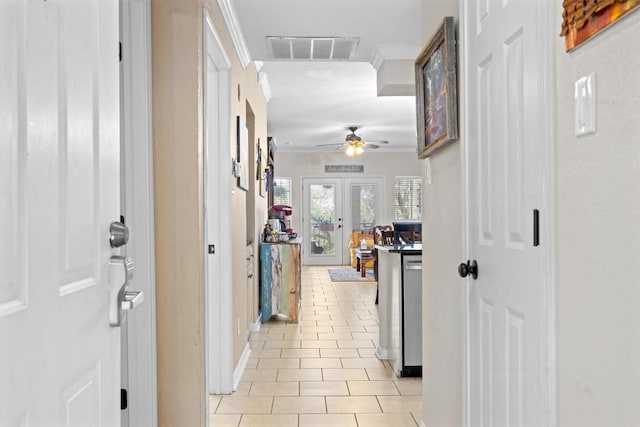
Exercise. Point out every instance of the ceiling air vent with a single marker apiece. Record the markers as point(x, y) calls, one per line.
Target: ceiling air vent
point(312, 48)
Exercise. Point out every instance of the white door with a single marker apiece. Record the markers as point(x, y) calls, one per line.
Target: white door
point(323, 221)
point(508, 335)
point(59, 192)
point(363, 208)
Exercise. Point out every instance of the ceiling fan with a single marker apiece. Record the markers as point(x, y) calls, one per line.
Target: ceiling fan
point(354, 144)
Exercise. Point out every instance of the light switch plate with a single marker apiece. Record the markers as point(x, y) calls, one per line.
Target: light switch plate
point(427, 171)
point(584, 96)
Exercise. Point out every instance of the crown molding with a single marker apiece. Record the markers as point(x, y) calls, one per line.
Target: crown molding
point(231, 19)
point(391, 52)
point(264, 84)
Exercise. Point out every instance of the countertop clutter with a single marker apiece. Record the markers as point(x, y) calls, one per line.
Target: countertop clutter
point(415, 248)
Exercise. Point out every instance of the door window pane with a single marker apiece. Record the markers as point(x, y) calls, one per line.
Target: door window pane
point(322, 211)
point(363, 206)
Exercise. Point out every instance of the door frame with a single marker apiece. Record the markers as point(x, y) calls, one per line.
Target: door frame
point(138, 209)
point(218, 285)
point(546, 54)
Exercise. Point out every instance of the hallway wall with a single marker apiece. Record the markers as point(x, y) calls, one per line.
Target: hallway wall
point(598, 233)
point(442, 296)
point(178, 181)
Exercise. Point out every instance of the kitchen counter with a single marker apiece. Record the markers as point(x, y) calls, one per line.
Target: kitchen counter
point(413, 249)
point(392, 261)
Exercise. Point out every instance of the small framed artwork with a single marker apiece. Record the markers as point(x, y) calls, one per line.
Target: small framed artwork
point(260, 175)
point(436, 90)
point(242, 153)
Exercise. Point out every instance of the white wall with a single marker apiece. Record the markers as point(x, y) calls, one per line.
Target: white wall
point(598, 229)
point(442, 296)
point(311, 165)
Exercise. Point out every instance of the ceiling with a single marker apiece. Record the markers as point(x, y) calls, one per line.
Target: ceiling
point(313, 101)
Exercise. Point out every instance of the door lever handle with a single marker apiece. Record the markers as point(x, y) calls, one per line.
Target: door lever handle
point(132, 299)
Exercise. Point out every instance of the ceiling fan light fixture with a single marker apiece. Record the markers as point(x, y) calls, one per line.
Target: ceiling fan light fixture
point(359, 150)
point(351, 150)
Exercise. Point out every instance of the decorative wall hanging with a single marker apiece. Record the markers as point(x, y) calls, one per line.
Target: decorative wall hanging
point(260, 175)
point(343, 168)
point(582, 19)
point(243, 154)
point(436, 90)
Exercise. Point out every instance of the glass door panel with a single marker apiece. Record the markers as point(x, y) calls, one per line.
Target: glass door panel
point(323, 221)
point(363, 208)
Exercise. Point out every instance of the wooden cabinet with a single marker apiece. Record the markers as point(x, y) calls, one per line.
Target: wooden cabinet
point(280, 280)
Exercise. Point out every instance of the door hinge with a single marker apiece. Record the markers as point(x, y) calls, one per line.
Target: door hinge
point(212, 249)
point(120, 51)
point(536, 227)
point(123, 399)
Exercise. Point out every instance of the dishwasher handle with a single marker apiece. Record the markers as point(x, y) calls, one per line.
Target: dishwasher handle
point(413, 265)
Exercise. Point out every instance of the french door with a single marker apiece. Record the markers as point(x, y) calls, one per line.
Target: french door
point(333, 209)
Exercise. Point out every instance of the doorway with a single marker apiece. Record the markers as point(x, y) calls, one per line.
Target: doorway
point(332, 209)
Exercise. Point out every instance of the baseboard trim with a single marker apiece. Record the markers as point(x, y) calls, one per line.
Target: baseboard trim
point(382, 354)
point(242, 364)
point(256, 326)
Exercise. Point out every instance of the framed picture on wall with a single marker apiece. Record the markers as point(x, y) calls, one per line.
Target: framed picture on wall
point(436, 90)
point(242, 153)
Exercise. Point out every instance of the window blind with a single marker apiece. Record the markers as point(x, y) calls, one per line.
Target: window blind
point(282, 191)
point(408, 198)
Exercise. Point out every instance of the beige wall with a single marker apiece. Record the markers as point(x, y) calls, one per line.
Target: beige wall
point(598, 229)
point(443, 290)
point(178, 177)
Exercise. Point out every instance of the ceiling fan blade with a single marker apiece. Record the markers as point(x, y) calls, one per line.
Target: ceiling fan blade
point(377, 141)
point(373, 146)
point(330, 145)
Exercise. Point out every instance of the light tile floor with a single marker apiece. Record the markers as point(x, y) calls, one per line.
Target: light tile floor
point(321, 371)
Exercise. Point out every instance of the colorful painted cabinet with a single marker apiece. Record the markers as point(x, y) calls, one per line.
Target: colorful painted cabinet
point(280, 280)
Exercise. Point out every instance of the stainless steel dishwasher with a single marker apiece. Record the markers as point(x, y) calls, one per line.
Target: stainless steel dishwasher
point(407, 360)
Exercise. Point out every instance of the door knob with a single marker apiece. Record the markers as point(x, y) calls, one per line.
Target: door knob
point(468, 268)
point(118, 234)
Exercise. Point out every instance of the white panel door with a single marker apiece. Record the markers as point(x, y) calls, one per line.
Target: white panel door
point(507, 311)
point(323, 221)
point(59, 191)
